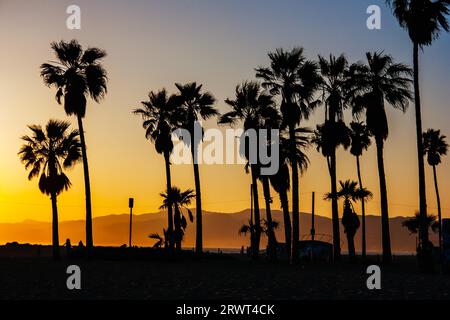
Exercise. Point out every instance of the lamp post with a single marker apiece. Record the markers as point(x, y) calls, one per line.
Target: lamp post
point(313, 230)
point(130, 205)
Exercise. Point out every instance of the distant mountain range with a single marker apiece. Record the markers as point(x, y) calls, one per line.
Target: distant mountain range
point(220, 231)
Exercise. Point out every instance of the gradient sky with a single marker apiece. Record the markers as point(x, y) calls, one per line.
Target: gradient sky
point(152, 44)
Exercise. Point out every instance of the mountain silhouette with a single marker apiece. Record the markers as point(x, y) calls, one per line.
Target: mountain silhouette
point(220, 231)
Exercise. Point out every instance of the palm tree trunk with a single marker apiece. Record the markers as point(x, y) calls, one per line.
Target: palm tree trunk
point(169, 208)
point(87, 187)
point(177, 235)
point(295, 199)
point(423, 231)
point(272, 238)
point(386, 239)
point(198, 197)
point(287, 222)
point(55, 234)
point(438, 199)
point(334, 208)
point(363, 212)
point(257, 235)
point(351, 246)
point(198, 203)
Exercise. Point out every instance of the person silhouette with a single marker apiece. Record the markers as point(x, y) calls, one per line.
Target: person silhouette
point(68, 247)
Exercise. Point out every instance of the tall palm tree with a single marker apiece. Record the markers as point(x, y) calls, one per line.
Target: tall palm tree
point(295, 79)
point(360, 136)
point(195, 105)
point(76, 75)
point(424, 20)
point(254, 109)
point(334, 72)
point(327, 138)
point(180, 200)
point(435, 146)
point(381, 80)
point(46, 153)
point(159, 121)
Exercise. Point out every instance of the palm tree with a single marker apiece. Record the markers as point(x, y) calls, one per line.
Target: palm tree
point(77, 75)
point(327, 138)
point(381, 80)
point(160, 241)
point(435, 146)
point(350, 192)
point(46, 153)
point(179, 200)
point(360, 136)
point(255, 109)
point(295, 80)
point(159, 121)
point(350, 220)
point(424, 20)
point(415, 223)
point(195, 105)
point(280, 181)
point(265, 227)
point(334, 72)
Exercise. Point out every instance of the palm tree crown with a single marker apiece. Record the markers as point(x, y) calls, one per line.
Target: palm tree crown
point(424, 19)
point(295, 79)
point(435, 146)
point(159, 119)
point(413, 224)
point(350, 192)
point(47, 152)
point(195, 104)
point(76, 75)
point(360, 137)
point(380, 80)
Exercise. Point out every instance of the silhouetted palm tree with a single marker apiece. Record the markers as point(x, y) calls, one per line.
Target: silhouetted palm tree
point(160, 241)
point(435, 146)
point(280, 181)
point(414, 224)
point(77, 75)
point(350, 192)
point(424, 20)
point(379, 81)
point(360, 137)
point(195, 105)
point(46, 153)
point(334, 72)
point(159, 120)
point(295, 80)
point(265, 227)
point(254, 108)
point(179, 200)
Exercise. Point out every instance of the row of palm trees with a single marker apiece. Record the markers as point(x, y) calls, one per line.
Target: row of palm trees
point(294, 82)
point(301, 86)
point(162, 115)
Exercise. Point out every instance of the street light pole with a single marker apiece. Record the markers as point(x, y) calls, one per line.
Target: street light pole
point(313, 230)
point(130, 205)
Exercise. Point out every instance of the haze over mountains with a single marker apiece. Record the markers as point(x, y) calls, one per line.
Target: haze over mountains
point(220, 231)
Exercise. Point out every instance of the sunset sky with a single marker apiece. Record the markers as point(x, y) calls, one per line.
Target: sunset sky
point(153, 44)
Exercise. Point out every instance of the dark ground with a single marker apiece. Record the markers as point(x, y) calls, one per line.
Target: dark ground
point(218, 278)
